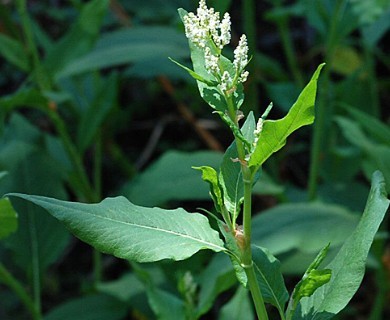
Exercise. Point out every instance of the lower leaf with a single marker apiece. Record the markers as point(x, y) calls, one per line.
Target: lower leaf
point(118, 227)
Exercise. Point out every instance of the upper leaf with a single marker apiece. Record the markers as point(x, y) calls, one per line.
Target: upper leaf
point(118, 227)
point(275, 132)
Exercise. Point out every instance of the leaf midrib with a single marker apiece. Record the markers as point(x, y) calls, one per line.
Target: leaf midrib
point(78, 211)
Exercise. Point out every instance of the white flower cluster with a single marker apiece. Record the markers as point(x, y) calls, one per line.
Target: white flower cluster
point(199, 28)
point(206, 28)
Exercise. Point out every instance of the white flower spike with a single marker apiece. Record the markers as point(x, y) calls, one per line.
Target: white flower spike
point(241, 54)
point(211, 62)
point(209, 33)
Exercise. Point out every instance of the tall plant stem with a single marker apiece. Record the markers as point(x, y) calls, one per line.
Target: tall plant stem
point(246, 250)
point(8, 279)
point(246, 259)
point(324, 108)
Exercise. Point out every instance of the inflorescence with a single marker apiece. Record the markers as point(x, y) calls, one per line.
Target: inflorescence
point(208, 32)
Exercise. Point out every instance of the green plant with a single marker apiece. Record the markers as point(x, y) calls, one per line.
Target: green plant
point(142, 234)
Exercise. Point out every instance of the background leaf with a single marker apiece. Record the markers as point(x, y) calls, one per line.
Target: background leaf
point(39, 237)
point(216, 278)
point(14, 52)
point(91, 121)
point(284, 230)
point(140, 45)
point(349, 264)
point(93, 307)
point(127, 231)
point(176, 179)
point(79, 39)
point(238, 307)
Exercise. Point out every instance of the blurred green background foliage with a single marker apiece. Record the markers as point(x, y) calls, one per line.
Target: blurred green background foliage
point(91, 107)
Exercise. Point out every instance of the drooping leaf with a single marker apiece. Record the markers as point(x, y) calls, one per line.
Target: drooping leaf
point(93, 307)
point(194, 74)
point(118, 227)
point(349, 264)
point(8, 218)
point(269, 276)
point(135, 45)
point(275, 132)
point(238, 307)
point(211, 177)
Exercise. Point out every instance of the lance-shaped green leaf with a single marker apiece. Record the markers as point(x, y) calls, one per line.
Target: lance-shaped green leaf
point(275, 132)
point(194, 74)
point(269, 276)
point(311, 281)
point(118, 227)
point(349, 264)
